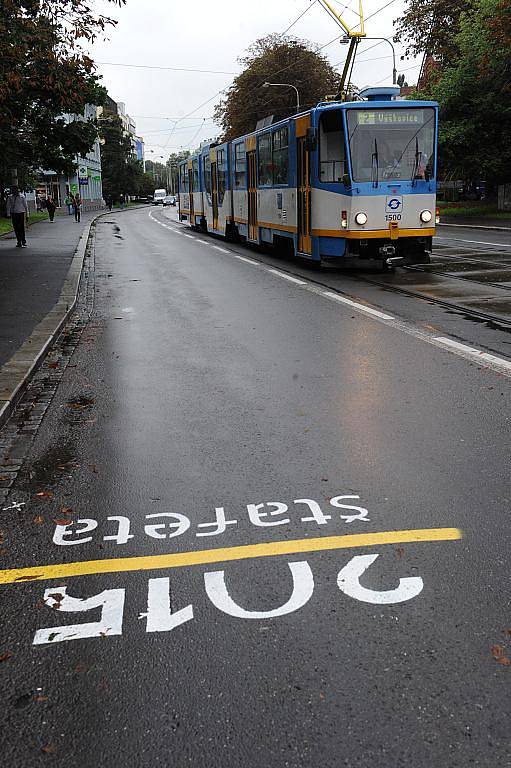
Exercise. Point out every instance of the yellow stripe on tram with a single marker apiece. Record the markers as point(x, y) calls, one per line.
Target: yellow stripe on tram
point(208, 556)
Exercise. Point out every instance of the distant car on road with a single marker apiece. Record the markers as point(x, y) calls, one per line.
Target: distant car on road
point(170, 200)
point(159, 196)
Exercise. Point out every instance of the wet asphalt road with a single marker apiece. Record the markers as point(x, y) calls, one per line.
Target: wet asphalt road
point(204, 382)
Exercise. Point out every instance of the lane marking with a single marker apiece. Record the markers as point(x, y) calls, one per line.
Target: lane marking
point(244, 258)
point(219, 248)
point(477, 354)
point(205, 242)
point(287, 277)
point(356, 305)
point(245, 552)
point(185, 235)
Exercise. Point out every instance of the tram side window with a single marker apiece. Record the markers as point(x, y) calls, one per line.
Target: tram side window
point(207, 174)
point(332, 153)
point(195, 167)
point(221, 165)
point(183, 178)
point(265, 163)
point(240, 165)
point(280, 156)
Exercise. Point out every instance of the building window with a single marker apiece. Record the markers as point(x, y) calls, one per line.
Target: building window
point(240, 165)
point(265, 163)
point(332, 154)
point(280, 156)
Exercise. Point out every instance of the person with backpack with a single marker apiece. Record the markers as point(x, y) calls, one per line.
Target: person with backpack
point(69, 202)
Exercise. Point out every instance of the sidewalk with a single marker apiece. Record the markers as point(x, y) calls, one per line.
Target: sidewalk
point(31, 279)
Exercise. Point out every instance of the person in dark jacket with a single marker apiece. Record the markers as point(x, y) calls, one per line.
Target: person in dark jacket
point(77, 206)
point(50, 207)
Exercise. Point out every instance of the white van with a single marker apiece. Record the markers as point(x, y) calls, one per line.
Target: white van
point(159, 196)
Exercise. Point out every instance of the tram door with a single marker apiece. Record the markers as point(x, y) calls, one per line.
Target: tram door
point(304, 198)
point(214, 194)
point(252, 196)
point(190, 187)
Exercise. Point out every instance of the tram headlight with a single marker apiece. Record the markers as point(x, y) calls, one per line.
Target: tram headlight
point(361, 218)
point(426, 216)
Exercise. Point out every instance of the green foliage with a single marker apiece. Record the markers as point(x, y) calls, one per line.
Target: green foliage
point(122, 173)
point(44, 74)
point(275, 59)
point(431, 27)
point(474, 92)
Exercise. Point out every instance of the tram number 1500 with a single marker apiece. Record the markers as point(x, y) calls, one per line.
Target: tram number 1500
point(392, 217)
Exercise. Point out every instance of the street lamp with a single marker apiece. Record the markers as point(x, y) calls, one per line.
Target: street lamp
point(285, 85)
point(346, 39)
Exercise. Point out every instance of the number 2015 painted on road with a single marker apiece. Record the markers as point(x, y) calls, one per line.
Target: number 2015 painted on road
point(160, 617)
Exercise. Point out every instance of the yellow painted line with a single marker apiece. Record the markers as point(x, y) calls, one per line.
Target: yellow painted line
point(205, 556)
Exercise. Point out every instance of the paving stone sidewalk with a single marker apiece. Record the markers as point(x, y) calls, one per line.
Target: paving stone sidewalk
point(31, 278)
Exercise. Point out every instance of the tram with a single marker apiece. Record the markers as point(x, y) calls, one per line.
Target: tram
point(344, 180)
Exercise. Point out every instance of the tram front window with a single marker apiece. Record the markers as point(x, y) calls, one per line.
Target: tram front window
point(388, 144)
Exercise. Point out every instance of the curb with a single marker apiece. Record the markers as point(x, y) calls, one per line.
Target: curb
point(18, 371)
point(474, 226)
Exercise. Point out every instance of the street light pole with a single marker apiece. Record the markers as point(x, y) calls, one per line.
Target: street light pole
point(386, 40)
point(285, 85)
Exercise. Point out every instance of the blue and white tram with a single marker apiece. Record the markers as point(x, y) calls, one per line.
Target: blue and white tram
point(341, 181)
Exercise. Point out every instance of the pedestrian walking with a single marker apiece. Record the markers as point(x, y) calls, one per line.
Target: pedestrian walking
point(38, 203)
point(77, 206)
point(69, 202)
point(121, 202)
point(110, 202)
point(50, 207)
point(17, 209)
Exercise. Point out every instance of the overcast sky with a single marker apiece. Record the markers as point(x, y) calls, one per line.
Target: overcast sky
point(206, 35)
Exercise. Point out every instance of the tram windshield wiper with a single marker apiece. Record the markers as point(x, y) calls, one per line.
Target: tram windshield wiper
point(416, 162)
point(375, 165)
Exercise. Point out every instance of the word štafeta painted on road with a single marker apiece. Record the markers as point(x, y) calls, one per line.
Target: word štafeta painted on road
point(169, 525)
point(161, 617)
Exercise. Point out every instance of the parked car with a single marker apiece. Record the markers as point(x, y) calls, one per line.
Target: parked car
point(170, 200)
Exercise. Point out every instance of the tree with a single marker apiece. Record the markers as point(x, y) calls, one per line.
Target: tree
point(122, 173)
point(431, 27)
point(44, 74)
point(275, 59)
point(475, 96)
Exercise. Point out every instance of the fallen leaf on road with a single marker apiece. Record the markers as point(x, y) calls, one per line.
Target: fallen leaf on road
point(39, 520)
point(5, 656)
point(53, 365)
point(93, 468)
point(49, 749)
point(499, 654)
point(40, 698)
point(47, 494)
point(66, 511)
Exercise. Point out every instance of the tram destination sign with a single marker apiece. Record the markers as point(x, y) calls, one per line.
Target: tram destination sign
point(390, 117)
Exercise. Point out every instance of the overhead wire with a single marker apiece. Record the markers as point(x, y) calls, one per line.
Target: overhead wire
point(299, 17)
